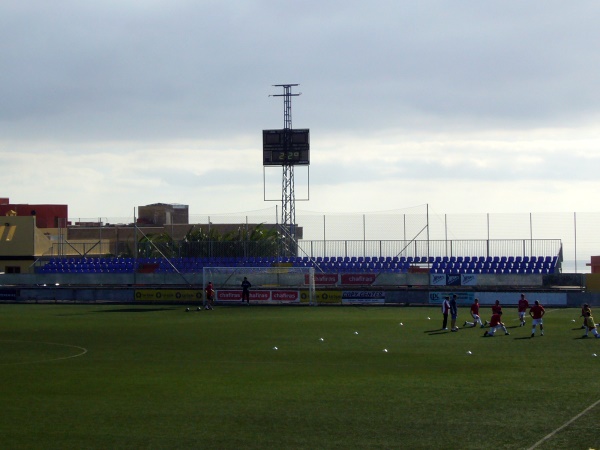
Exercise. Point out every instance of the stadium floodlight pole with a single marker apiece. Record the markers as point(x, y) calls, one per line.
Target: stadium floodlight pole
point(288, 195)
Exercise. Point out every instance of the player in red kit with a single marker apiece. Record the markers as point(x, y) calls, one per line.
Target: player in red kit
point(496, 308)
point(210, 296)
point(495, 323)
point(523, 305)
point(536, 312)
point(475, 314)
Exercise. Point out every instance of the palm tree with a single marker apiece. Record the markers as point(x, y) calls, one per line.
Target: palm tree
point(157, 245)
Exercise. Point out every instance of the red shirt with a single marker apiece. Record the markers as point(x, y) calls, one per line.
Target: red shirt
point(475, 308)
point(496, 308)
point(495, 320)
point(523, 305)
point(210, 292)
point(537, 311)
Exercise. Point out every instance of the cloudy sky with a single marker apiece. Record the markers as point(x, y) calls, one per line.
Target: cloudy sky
point(468, 106)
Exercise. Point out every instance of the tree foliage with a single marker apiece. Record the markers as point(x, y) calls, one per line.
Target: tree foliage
point(210, 242)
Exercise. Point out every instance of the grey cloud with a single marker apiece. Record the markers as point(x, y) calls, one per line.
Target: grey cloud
point(189, 69)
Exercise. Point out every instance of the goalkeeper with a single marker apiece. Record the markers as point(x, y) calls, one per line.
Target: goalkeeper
point(590, 324)
point(246, 290)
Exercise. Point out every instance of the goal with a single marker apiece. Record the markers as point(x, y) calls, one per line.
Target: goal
point(274, 285)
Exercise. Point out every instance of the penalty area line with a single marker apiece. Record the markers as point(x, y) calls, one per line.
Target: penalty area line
point(548, 436)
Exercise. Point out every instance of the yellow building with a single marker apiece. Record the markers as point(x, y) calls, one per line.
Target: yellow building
point(21, 243)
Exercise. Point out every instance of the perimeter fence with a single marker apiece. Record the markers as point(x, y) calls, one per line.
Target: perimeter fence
point(419, 231)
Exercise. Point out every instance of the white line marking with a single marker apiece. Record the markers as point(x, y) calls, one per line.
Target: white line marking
point(548, 436)
point(83, 352)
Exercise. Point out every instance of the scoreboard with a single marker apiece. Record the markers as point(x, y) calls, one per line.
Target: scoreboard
point(286, 147)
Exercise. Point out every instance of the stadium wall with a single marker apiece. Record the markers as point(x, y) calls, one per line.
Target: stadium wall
point(501, 281)
point(172, 295)
point(187, 294)
point(385, 289)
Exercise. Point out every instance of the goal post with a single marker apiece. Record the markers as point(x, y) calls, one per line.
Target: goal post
point(270, 285)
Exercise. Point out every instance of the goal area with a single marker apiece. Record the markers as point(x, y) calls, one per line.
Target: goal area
point(269, 285)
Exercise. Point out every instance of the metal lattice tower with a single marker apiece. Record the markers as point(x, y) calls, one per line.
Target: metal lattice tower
point(288, 196)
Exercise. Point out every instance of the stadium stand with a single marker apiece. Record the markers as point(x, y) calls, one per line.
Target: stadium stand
point(450, 265)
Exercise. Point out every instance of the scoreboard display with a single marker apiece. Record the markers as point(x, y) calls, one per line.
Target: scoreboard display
point(286, 147)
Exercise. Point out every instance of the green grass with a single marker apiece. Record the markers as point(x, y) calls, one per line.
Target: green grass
point(157, 377)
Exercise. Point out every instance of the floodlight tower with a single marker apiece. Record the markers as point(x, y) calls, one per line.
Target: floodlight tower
point(288, 195)
point(287, 148)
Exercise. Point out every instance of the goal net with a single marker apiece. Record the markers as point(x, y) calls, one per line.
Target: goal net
point(274, 285)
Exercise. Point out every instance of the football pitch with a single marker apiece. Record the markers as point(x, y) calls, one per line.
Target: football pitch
point(277, 377)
